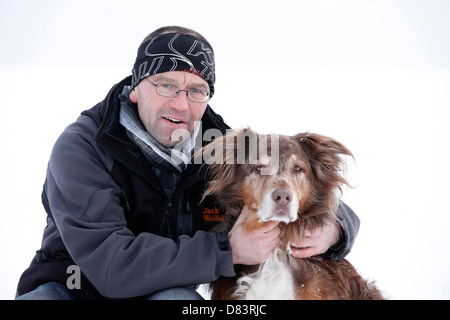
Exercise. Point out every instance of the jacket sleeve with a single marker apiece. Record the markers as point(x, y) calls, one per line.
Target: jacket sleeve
point(349, 230)
point(85, 204)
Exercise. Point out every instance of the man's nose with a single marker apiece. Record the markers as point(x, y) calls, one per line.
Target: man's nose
point(180, 102)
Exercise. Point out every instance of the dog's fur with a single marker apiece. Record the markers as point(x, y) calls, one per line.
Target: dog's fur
point(301, 192)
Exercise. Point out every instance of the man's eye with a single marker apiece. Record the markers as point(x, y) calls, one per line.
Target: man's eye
point(166, 86)
point(199, 91)
point(199, 94)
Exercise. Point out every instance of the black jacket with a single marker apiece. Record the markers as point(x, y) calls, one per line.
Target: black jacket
point(108, 214)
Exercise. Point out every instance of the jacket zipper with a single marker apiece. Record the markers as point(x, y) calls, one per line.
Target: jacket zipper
point(168, 214)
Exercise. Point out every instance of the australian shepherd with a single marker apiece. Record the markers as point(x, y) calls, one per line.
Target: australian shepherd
point(296, 180)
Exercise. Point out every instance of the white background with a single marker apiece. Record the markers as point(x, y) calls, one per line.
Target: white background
point(375, 75)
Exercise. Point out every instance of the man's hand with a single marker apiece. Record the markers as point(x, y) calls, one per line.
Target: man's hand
point(317, 241)
point(252, 246)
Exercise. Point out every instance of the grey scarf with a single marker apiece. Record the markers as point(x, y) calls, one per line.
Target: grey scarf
point(167, 158)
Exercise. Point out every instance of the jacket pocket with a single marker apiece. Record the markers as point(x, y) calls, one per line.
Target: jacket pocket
point(108, 203)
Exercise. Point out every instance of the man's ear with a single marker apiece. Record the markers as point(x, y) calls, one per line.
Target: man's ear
point(133, 95)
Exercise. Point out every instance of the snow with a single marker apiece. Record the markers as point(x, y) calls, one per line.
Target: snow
point(374, 75)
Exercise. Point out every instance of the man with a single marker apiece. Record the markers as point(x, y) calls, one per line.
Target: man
point(126, 212)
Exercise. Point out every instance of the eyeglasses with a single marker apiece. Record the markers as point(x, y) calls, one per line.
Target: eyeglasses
point(170, 91)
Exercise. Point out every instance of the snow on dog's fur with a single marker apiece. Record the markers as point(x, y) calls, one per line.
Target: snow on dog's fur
point(299, 188)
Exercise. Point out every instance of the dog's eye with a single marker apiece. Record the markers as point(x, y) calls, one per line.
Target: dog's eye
point(297, 169)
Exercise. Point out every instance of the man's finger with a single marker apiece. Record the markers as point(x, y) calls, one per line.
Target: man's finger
point(269, 226)
point(307, 234)
point(304, 253)
point(303, 243)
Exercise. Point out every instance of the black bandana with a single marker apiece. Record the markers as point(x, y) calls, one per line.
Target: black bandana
point(175, 52)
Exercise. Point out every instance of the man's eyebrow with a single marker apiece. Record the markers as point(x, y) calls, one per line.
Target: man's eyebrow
point(200, 86)
point(163, 78)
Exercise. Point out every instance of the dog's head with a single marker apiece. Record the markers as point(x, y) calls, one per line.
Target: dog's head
point(280, 178)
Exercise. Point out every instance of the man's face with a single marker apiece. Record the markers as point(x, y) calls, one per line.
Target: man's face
point(161, 115)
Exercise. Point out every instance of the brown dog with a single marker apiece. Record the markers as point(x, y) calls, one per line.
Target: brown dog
point(294, 180)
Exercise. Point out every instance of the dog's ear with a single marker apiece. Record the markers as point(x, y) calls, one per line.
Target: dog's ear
point(214, 156)
point(327, 159)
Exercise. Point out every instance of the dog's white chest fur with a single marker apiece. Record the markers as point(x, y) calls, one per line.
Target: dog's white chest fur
point(273, 281)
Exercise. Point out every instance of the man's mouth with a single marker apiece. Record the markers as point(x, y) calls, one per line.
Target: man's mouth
point(173, 120)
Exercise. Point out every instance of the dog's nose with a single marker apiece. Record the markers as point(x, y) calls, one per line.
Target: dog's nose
point(282, 197)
